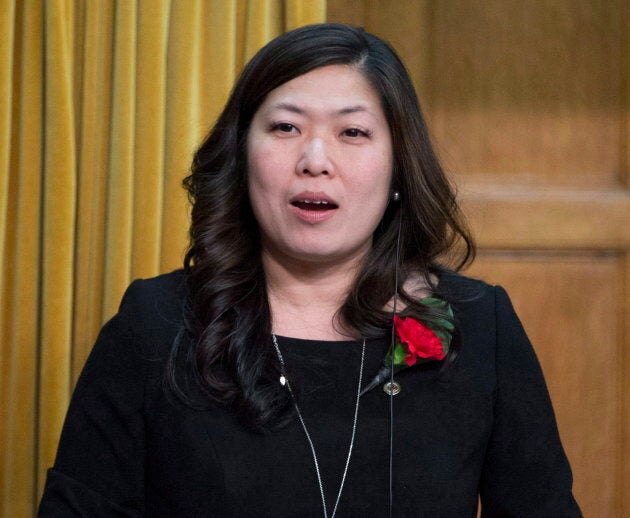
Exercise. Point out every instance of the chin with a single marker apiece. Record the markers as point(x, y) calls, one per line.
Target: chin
point(317, 250)
point(315, 255)
point(325, 254)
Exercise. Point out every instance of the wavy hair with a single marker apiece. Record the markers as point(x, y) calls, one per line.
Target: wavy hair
point(231, 357)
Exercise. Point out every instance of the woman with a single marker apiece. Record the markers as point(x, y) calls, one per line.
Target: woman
point(249, 383)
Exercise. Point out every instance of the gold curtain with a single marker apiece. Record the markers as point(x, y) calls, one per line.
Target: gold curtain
point(102, 103)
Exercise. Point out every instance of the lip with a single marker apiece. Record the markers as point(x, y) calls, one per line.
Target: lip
point(313, 196)
point(312, 216)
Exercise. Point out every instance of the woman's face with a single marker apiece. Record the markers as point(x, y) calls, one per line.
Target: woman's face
point(319, 157)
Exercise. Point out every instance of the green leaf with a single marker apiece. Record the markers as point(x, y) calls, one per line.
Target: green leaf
point(399, 353)
point(442, 327)
point(433, 302)
point(445, 338)
point(445, 324)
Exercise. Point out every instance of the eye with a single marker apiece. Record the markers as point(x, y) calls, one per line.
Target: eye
point(283, 127)
point(355, 133)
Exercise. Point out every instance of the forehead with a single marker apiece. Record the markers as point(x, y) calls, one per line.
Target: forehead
point(331, 88)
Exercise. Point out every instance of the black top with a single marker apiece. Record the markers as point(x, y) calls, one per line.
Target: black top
point(483, 427)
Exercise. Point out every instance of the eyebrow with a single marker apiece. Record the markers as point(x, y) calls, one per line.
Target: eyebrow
point(296, 109)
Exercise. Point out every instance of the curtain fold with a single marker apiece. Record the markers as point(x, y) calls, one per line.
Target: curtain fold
point(21, 158)
point(182, 120)
point(58, 231)
point(101, 106)
point(94, 104)
point(153, 24)
point(120, 170)
point(7, 16)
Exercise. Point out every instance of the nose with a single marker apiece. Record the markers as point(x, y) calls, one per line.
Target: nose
point(315, 159)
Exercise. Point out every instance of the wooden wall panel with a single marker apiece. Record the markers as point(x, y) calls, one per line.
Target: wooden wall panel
point(529, 107)
point(521, 217)
point(534, 90)
point(583, 363)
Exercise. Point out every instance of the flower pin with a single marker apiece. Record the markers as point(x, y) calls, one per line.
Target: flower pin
point(415, 342)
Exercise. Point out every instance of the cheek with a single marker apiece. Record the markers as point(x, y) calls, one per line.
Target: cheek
point(373, 181)
point(260, 173)
point(266, 189)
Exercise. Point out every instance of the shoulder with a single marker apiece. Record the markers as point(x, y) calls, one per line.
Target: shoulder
point(461, 289)
point(467, 294)
point(158, 298)
point(151, 310)
point(484, 312)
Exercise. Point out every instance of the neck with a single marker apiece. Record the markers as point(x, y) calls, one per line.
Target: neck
point(305, 297)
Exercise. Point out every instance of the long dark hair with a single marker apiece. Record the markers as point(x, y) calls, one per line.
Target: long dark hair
point(228, 315)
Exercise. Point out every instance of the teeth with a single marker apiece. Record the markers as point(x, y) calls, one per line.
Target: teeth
point(316, 202)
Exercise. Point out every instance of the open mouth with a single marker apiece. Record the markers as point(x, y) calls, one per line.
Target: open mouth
point(314, 205)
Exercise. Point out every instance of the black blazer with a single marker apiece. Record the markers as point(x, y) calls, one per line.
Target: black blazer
point(484, 427)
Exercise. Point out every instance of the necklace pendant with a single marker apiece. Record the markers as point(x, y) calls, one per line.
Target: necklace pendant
point(283, 381)
point(391, 388)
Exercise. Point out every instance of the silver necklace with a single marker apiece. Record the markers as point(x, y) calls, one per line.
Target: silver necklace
point(285, 382)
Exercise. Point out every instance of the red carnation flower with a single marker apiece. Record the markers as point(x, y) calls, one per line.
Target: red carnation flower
point(415, 342)
point(418, 339)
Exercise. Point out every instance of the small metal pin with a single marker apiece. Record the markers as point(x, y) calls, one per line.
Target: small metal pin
point(391, 388)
